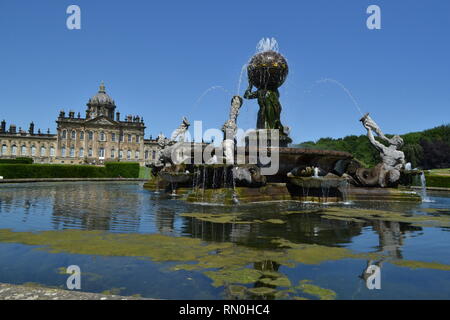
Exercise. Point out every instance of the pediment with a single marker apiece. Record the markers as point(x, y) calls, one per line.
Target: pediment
point(101, 121)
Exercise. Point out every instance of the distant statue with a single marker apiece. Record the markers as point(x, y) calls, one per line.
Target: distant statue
point(180, 133)
point(386, 173)
point(230, 129)
point(170, 149)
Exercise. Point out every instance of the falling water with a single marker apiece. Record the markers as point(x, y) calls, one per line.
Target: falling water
point(328, 80)
point(316, 172)
point(244, 67)
point(423, 182)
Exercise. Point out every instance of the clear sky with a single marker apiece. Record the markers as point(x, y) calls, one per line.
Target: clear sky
point(158, 58)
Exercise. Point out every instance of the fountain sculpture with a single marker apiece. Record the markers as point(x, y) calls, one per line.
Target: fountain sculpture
point(231, 176)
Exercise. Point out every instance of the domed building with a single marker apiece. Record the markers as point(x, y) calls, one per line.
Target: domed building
point(98, 137)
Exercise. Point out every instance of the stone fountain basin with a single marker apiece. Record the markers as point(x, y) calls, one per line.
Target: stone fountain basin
point(290, 158)
point(316, 183)
point(175, 177)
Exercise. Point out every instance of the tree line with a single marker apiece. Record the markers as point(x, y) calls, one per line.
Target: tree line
point(428, 149)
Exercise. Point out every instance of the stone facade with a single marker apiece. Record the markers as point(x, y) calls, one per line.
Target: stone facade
point(98, 137)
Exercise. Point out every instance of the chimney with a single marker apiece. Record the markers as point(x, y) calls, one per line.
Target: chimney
point(3, 126)
point(117, 116)
point(71, 114)
point(62, 114)
point(31, 130)
point(12, 129)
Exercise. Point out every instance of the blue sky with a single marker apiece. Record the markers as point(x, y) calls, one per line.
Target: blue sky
point(157, 59)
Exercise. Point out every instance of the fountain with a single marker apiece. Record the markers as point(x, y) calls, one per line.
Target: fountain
point(265, 168)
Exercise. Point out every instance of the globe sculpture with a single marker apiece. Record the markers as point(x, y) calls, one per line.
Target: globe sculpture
point(267, 70)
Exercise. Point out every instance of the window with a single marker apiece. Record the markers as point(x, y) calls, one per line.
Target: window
point(91, 135)
point(4, 149)
point(120, 154)
point(81, 153)
point(146, 154)
point(138, 139)
point(82, 135)
point(121, 138)
point(130, 138)
point(129, 154)
point(153, 154)
point(52, 151)
point(102, 136)
point(74, 135)
point(14, 150)
point(64, 134)
point(90, 152)
point(137, 154)
point(113, 153)
point(63, 152)
point(113, 137)
point(33, 151)
point(72, 152)
point(43, 151)
point(101, 153)
point(23, 151)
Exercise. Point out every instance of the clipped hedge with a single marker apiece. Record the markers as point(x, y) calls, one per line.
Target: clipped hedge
point(122, 169)
point(17, 161)
point(39, 171)
point(438, 181)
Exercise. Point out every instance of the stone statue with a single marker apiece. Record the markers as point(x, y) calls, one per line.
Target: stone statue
point(386, 173)
point(180, 133)
point(230, 128)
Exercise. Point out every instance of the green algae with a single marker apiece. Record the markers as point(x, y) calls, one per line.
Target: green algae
point(411, 264)
point(343, 219)
point(224, 263)
point(316, 291)
point(154, 246)
point(416, 220)
point(218, 218)
point(262, 291)
point(275, 221)
point(233, 275)
point(278, 282)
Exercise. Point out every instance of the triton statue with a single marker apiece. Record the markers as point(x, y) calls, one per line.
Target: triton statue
point(386, 173)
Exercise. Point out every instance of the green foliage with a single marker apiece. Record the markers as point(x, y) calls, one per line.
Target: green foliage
point(38, 171)
point(427, 149)
point(17, 161)
point(122, 169)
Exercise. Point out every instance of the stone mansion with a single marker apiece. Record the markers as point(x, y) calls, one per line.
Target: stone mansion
point(98, 137)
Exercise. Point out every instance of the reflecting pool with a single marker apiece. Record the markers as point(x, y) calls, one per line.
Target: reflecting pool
point(131, 241)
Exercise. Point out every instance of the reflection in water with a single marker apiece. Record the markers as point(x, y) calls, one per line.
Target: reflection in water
point(128, 208)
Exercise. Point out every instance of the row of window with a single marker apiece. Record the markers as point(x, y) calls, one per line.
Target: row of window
point(81, 153)
point(25, 152)
point(102, 136)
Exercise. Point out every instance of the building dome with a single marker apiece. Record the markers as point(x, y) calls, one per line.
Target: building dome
point(101, 98)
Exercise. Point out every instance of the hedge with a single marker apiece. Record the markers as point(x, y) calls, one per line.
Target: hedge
point(17, 161)
point(122, 169)
point(37, 171)
point(439, 181)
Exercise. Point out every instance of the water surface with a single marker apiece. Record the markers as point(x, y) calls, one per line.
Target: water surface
point(128, 240)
